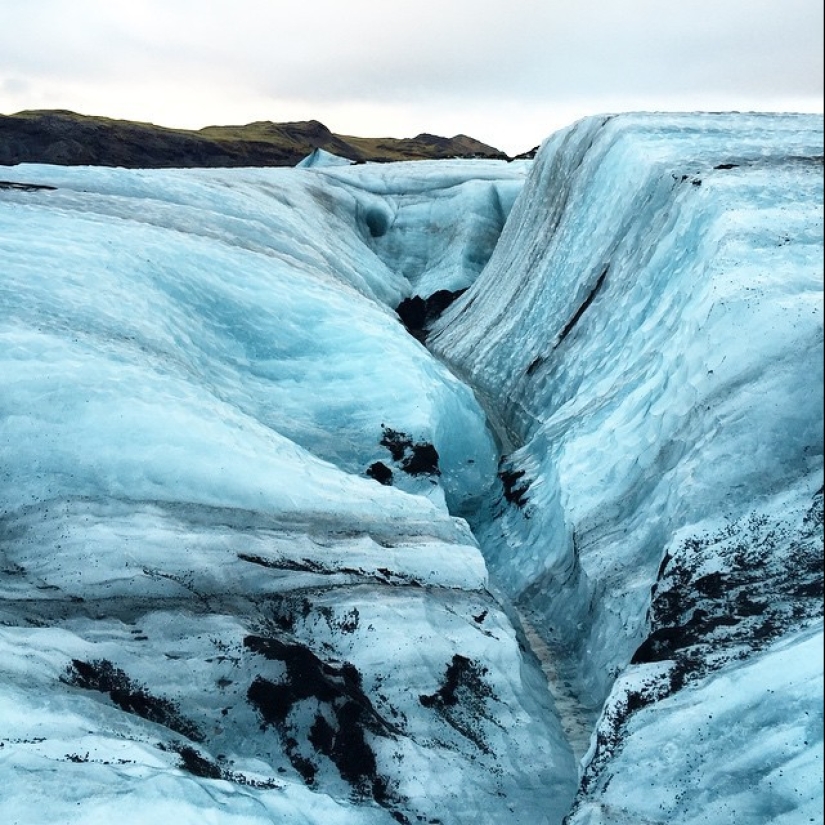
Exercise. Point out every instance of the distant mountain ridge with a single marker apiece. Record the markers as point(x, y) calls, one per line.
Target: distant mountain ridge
point(69, 139)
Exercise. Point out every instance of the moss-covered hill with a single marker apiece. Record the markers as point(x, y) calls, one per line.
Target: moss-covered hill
point(70, 139)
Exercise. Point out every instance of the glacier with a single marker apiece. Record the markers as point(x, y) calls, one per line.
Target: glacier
point(557, 555)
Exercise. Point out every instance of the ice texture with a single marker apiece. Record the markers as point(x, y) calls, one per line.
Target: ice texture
point(648, 339)
point(266, 557)
point(214, 608)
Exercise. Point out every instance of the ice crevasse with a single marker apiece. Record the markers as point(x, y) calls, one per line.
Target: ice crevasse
point(239, 580)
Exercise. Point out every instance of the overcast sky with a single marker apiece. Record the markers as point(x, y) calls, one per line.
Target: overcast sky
point(508, 72)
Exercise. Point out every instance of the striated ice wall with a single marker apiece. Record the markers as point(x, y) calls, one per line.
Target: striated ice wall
point(648, 339)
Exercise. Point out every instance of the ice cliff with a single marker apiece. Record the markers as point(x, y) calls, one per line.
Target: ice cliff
point(266, 557)
point(648, 333)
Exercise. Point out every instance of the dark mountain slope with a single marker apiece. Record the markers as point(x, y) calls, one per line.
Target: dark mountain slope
point(69, 139)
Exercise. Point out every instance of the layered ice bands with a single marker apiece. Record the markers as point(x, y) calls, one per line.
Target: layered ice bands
point(648, 336)
point(259, 545)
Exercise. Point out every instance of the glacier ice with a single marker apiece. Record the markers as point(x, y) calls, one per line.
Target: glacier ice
point(693, 245)
point(648, 338)
point(320, 157)
point(264, 558)
point(199, 370)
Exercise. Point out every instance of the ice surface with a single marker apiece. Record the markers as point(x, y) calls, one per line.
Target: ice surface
point(648, 339)
point(648, 334)
point(747, 747)
point(277, 349)
point(434, 223)
point(199, 370)
point(238, 581)
point(320, 157)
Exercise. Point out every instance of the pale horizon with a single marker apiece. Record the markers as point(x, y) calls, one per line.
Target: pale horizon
point(509, 78)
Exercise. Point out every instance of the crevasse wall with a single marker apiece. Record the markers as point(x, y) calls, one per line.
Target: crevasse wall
point(649, 334)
